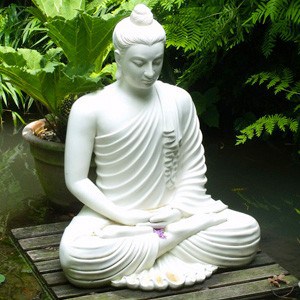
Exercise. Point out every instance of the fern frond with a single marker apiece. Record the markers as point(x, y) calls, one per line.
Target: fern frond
point(294, 126)
point(297, 108)
point(293, 12)
point(282, 29)
point(295, 91)
point(267, 124)
point(258, 14)
point(272, 9)
point(274, 81)
point(283, 19)
point(275, 9)
point(168, 5)
point(280, 81)
point(205, 26)
point(264, 76)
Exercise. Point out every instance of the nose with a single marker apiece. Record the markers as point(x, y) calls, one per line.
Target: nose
point(149, 72)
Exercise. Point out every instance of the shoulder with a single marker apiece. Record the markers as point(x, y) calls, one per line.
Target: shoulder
point(87, 105)
point(175, 92)
point(183, 99)
point(86, 102)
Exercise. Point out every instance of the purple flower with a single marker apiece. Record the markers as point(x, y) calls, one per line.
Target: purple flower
point(160, 232)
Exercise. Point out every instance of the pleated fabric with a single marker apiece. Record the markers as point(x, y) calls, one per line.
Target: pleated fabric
point(157, 159)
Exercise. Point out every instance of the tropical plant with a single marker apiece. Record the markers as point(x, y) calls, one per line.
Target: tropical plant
point(282, 20)
point(200, 29)
point(280, 82)
point(199, 35)
point(73, 66)
point(17, 28)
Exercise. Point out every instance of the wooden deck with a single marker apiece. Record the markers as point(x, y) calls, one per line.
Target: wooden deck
point(39, 247)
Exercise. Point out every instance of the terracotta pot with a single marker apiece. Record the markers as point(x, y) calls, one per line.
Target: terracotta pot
point(49, 162)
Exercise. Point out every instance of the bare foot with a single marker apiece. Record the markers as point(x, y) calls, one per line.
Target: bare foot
point(168, 272)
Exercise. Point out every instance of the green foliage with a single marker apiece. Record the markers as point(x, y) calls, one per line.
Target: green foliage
point(201, 29)
point(2, 278)
point(206, 26)
point(267, 124)
point(43, 77)
point(282, 81)
point(68, 9)
point(71, 67)
point(85, 37)
point(17, 28)
point(283, 20)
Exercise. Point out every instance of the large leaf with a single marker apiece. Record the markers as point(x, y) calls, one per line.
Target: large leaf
point(67, 9)
point(85, 40)
point(42, 79)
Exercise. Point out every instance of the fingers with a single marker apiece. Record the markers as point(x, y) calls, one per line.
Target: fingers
point(166, 216)
point(154, 225)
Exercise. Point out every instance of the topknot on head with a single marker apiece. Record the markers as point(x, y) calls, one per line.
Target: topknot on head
point(139, 28)
point(141, 15)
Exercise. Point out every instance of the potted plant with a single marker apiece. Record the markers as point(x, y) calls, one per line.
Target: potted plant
point(71, 67)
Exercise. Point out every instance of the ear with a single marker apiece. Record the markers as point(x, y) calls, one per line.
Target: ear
point(117, 57)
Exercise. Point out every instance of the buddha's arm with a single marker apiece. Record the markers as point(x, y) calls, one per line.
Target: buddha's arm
point(191, 179)
point(79, 147)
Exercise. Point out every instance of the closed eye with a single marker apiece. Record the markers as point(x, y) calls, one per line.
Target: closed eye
point(157, 62)
point(138, 63)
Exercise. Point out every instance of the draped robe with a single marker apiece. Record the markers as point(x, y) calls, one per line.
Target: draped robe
point(156, 159)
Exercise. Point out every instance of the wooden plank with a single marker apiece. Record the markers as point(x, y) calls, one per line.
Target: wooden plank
point(68, 291)
point(217, 280)
point(40, 242)
point(260, 259)
point(49, 253)
point(246, 275)
point(48, 266)
point(108, 296)
point(39, 246)
point(55, 278)
point(39, 230)
point(251, 290)
point(227, 279)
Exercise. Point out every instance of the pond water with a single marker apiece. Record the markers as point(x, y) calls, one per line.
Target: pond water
point(257, 178)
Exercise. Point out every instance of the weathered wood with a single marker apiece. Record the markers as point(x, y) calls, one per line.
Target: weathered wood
point(241, 276)
point(50, 265)
point(68, 291)
point(55, 278)
point(39, 230)
point(43, 254)
point(40, 242)
point(39, 246)
point(261, 259)
point(250, 290)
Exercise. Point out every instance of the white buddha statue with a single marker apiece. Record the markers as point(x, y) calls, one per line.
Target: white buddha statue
point(147, 222)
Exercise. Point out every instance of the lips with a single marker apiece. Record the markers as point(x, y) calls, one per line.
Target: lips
point(148, 82)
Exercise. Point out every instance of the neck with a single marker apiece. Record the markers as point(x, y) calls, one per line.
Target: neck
point(142, 94)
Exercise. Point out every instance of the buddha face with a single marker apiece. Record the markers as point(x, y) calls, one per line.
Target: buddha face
point(140, 65)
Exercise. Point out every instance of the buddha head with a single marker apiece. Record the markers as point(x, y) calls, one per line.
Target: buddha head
point(139, 46)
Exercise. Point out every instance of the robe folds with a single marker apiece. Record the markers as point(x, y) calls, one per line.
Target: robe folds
point(156, 159)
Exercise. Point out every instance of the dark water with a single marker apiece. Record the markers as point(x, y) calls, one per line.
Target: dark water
point(264, 181)
point(258, 179)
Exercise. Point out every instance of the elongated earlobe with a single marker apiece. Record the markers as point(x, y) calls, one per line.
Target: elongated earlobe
point(117, 57)
point(118, 62)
